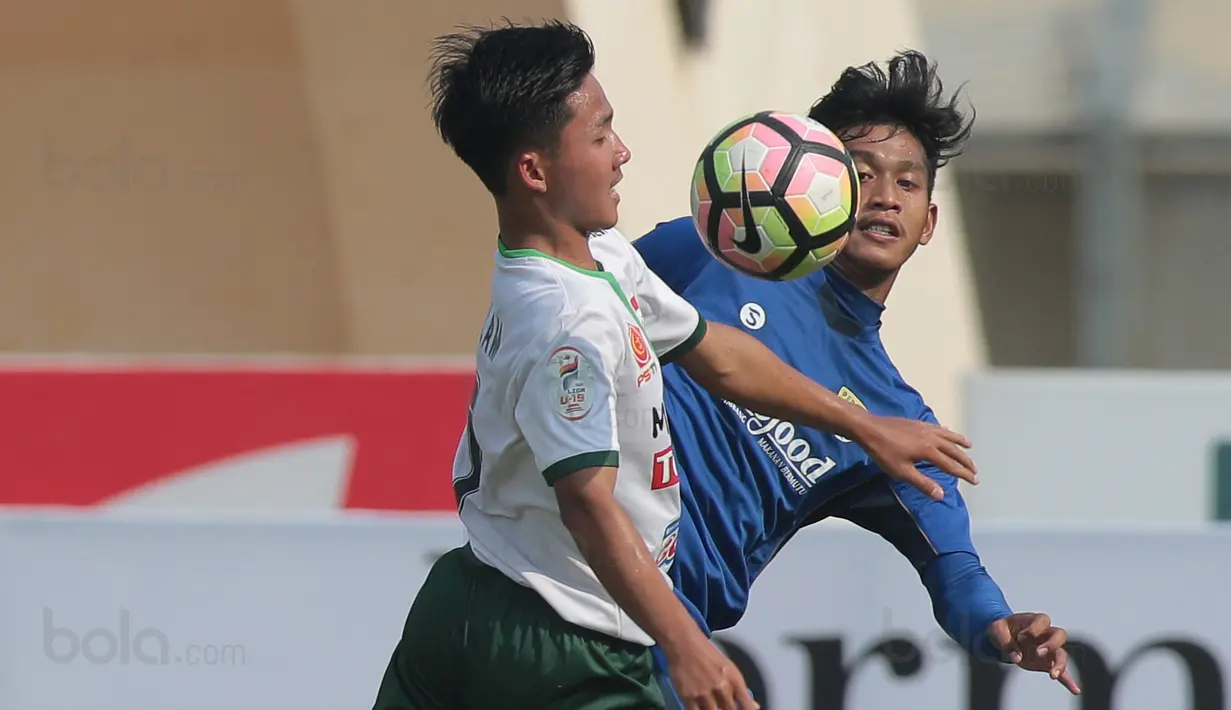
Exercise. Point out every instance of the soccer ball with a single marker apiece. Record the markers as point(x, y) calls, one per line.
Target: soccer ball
point(774, 196)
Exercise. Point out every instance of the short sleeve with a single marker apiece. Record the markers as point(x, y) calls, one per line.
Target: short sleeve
point(672, 324)
point(567, 408)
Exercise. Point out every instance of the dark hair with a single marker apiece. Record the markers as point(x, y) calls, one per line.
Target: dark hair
point(909, 96)
point(499, 89)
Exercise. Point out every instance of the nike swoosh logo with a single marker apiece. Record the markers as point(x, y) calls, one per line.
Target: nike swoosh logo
point(751, 242)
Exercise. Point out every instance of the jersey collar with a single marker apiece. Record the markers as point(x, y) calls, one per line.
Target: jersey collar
point(865, 312)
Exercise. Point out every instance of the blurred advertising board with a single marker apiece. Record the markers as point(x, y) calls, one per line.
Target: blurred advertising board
point(149, 610)
point(271, 435)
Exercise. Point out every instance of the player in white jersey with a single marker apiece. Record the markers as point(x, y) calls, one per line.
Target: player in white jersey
point(582, 347)
point(564, 476)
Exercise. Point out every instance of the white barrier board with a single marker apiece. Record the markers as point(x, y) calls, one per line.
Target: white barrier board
point(109, 614)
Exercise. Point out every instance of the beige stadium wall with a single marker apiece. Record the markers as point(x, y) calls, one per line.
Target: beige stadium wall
point(230, 176)
point(223, 176)
point(777, 55)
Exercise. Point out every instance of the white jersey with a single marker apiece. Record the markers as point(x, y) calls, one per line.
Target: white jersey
point(568, 377)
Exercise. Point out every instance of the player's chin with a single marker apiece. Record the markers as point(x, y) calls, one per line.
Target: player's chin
point(875, 254)
point(605, 217)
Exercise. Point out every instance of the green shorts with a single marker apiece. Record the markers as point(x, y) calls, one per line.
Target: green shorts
point(477, 640)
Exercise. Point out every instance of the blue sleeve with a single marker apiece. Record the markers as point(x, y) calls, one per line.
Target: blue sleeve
point(935, 536)
point(965, 601)
point(674, 252)
point(965, 598)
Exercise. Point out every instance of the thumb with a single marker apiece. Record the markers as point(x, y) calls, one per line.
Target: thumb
point(1002, 638)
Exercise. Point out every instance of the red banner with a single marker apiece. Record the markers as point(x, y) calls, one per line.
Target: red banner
point(231, 436)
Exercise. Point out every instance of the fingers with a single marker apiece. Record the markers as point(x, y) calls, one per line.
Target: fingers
point(954, 437)
point(744, 699)
point(731, 694)
point(1039, 628)
point(954, 462)
point(1047, 645)
point(951, 456)
point(725, 697)
point(1060, 672)
point(910, 474)
point(963, 459)
point(1066, 679)
point(1002, 639)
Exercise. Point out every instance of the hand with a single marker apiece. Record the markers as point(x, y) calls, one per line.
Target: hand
point(1031, 642)
point(896, 444)
point(705, 679)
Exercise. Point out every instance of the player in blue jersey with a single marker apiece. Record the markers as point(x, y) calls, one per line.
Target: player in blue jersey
point(750, 482)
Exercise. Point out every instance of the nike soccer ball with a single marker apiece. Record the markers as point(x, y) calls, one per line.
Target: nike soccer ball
point(774, 195)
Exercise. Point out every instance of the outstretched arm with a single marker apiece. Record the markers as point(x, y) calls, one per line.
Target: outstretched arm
point(967, 603)
point(972, 610)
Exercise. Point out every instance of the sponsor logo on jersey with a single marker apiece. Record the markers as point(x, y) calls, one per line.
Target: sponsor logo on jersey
point(666, 551)
point(849, 396)
point(752, 316)
point(647, 374)
point(664, 474)
point(641, 349)
point(658, 419)
point(572, 374)
point(790, 454)
point(642, 354)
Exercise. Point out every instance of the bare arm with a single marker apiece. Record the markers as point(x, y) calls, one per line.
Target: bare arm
point(738, 367)
point(611, 545)
point(703, 677)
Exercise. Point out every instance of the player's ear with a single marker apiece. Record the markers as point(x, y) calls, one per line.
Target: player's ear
point(529, 170)
point(929, 227)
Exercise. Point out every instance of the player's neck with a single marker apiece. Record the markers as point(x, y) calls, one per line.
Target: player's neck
point(876, 285)
point(551, 237)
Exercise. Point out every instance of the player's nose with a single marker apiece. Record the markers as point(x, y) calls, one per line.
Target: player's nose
point(623, 154)
point(882, 198)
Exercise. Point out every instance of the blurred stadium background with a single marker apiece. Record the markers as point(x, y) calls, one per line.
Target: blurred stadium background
point(241, 280)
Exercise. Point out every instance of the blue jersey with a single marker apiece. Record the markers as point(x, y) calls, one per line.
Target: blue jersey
point(749, 482)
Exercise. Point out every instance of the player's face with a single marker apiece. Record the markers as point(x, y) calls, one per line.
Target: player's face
point(896, 215)
point(582, 174)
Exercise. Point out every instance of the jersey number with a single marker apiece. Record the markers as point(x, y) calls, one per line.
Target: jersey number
point(463, 486)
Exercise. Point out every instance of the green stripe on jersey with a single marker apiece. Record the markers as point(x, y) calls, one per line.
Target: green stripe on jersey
point(573, 464)
point(698, 334)
point(604, 275)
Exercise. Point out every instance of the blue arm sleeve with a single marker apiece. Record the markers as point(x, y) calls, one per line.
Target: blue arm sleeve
point(965, 598)
point(674, 252)
point(965, 601)
point(935, 536)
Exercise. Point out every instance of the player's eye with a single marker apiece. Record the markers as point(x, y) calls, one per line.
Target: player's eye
point(907, 184)
point(864, 176)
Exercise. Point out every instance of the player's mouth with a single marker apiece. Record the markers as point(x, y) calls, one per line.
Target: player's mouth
point(880, 229)
point(615, 195)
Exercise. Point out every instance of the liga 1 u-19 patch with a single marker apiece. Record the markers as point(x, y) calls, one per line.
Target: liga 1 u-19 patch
point(574, 377)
